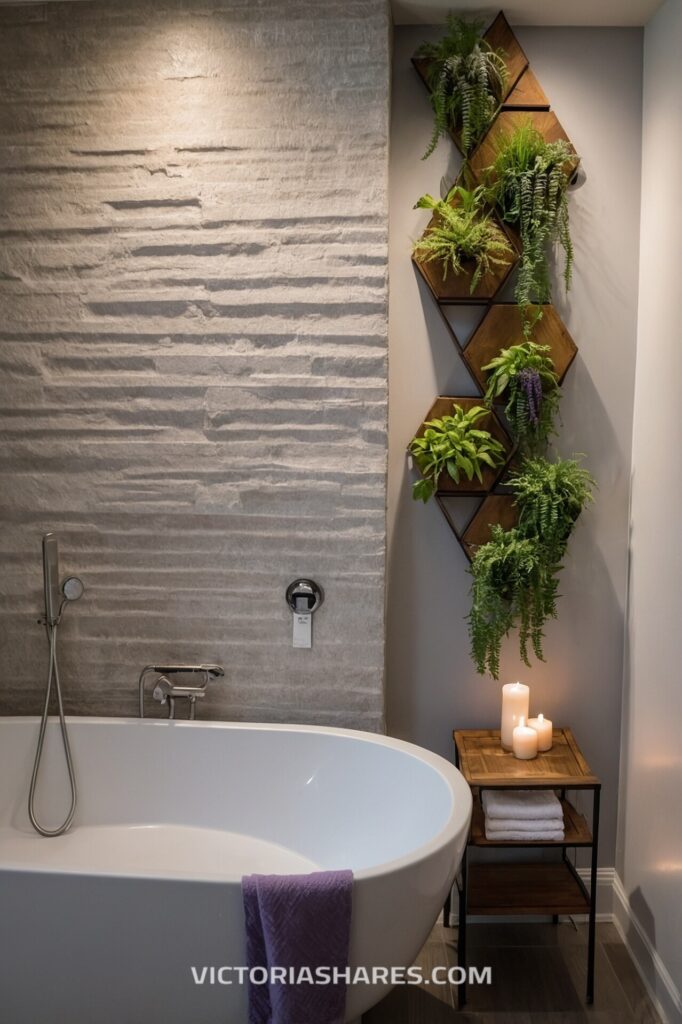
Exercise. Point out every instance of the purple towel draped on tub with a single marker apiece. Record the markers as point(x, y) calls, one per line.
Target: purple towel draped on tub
point(297, 921)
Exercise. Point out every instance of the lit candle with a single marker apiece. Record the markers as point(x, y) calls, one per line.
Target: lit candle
point(524, 741)
point(515, 700)
point(543, 728)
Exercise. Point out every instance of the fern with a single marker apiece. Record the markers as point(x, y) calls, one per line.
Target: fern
point(467, 79)
point(529, 182)
point(550, 496)
point(515, 575)
point(514, 586)
point(462, 230)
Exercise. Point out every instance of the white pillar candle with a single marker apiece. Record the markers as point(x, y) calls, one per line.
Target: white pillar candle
point(524, 741)
point(515, 701)
point(543, 728)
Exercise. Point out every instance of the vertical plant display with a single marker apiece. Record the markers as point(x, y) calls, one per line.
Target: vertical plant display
point(521, 167)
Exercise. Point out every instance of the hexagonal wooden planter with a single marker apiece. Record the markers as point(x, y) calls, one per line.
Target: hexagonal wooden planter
point(522, 90)
point(501, 327)
point(506, 122)
point(457, 287)
point(495, 509)
point(442, 406)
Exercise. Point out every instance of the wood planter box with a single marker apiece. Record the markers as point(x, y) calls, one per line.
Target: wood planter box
point(523, 91)
point(501, 327)
point(457, 287)
point(495, 509)
point(442, 406)
point(506, 123)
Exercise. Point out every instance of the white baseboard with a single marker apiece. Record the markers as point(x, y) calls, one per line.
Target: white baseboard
point(605, 880)
point(613, 905)
point(662, 990)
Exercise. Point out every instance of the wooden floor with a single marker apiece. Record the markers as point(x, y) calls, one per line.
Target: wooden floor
point(538, 977)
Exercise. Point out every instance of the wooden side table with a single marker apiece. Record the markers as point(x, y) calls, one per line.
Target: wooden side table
point(550, 888)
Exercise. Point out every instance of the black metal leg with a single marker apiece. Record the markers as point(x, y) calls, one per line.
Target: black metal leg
point(447, 907)
point(462, 931)
point(593, 896)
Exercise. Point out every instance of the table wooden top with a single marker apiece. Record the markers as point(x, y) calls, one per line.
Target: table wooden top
point(483, 762)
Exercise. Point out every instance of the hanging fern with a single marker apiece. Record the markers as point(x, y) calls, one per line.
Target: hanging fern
point(467, 79)
point(462, 231)
point(550, 496)
point(515, 575)
point(524, 374)
point(514, 586)
point(529, 181)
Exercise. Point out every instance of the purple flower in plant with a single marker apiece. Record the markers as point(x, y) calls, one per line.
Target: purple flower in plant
point(531, 386)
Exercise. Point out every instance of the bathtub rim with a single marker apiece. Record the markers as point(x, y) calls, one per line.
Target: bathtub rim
point(459, 790)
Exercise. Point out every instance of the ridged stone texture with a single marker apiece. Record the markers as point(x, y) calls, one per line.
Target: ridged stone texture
point(193, 333)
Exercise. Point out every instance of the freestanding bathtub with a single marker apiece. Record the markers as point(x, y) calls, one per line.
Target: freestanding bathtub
point(103, 925)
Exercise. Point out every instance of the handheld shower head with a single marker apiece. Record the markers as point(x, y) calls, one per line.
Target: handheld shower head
point(51, 578)
point(73, 588)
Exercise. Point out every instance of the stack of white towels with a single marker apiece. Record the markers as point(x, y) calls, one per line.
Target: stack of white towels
point(523, 814)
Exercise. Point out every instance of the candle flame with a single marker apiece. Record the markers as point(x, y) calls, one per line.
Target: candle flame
point(541, 718)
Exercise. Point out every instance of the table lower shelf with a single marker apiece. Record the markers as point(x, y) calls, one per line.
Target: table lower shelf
point(525, 888)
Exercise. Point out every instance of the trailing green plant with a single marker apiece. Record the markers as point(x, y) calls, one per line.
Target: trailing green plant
point(463, 230)
point(514, 585)
point(454, 444)
point(515, 573)
point(529, 181)
point(524, 375)
point(467, 79)
point(550, 496)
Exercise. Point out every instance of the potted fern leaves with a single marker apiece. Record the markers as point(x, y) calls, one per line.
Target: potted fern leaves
point(515, 574)
point(528, 181)
point(467, 79)
point(464, 252)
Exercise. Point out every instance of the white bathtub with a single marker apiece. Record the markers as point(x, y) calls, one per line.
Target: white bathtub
point(102, 925)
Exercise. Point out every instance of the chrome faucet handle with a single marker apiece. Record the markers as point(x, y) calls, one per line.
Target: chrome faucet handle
point(164, 688)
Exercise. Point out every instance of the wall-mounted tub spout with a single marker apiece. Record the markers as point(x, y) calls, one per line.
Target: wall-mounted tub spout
point(167, 691)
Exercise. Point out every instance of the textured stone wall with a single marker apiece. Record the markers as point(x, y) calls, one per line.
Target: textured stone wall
point(193, 225)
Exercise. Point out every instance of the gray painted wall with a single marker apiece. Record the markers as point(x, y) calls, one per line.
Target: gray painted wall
point(649, 856)
point(593, 79)
point(193, 333)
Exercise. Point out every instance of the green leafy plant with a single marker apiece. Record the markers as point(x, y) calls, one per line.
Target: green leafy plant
point(515, 573)
point(454, 444)
point(463, 231)
point(514, 586)
point(529, 181)
point(550, 496)
point(467, 79)
point(524, 374)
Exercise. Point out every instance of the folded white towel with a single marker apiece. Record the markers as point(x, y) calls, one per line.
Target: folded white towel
point(522, 804)
point(516, 825)
point(541, 835)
